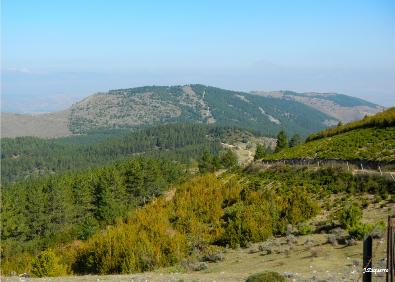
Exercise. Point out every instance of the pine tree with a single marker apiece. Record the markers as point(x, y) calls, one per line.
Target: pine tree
point(260, 152)
point(205, 163)
point(295, 140)
point(229, 159)
point(282, 141)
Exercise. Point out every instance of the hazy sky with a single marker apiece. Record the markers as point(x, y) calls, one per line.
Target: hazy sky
point(55, 52)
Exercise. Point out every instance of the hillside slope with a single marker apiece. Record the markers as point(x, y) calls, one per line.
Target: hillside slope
point(153, 105)
point(377, 144)
point(372, 138)
point(191, 223)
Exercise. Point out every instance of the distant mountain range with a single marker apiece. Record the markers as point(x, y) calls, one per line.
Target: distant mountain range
point(266, 112)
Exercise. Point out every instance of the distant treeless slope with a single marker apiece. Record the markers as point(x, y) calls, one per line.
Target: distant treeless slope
point(42, 125)
point(339, 106)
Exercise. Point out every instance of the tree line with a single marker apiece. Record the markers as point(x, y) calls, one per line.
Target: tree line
point(24, 157)
point(281, 144)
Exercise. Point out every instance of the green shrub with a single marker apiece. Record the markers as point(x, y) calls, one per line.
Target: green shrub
point(247, 223)
point(266, 276)
point(46, 264)
point(350, 216)
point(305, 229)
point(359, 231)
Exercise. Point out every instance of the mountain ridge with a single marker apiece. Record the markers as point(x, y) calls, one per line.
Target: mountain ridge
point(267, 112)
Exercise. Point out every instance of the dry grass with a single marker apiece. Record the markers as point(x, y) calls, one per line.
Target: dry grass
point(42, 125)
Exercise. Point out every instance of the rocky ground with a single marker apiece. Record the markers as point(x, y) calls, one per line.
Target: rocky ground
point(303, 258)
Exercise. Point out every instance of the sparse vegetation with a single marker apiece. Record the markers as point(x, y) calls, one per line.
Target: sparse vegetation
point(359, 144)
point(383, 119)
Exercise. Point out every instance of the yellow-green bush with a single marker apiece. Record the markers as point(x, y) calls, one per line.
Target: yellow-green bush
point(146, 241)
point(47, 264)
point(203, 212)
point(247, 223)
point(197, 208)
point(16, 264)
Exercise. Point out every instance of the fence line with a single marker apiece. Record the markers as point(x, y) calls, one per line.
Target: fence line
point(363, 164)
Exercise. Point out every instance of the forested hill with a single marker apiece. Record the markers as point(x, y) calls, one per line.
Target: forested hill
point(372, 138)
point(24, 157)
point(154, 105)
point(44, 212)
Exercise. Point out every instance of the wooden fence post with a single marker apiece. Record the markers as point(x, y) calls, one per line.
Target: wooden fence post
point(367, 258)
point(387, 278)
point(390, 252)
point(393, 254)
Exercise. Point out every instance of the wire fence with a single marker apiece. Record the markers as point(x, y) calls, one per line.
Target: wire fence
point(356, 166)
point(368, 252)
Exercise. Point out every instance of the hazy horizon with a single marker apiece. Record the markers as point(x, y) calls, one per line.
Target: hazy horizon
point(56, 53)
